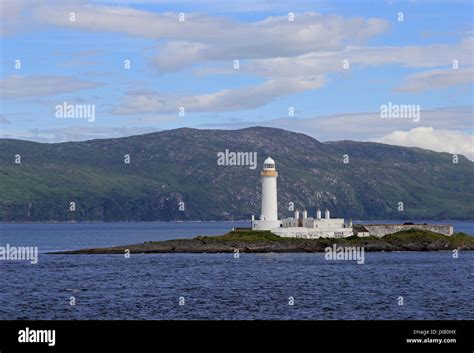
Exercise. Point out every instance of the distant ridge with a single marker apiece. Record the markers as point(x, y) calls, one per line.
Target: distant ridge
point(170, 166)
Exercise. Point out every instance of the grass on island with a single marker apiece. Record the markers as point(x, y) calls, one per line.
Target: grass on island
point(461, 239)
point(243, 235)
point(422, 236)
point(398, 238)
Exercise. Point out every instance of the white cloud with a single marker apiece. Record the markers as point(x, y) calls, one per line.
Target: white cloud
point(78, 133)
point(224, 100)
point(205, 38)
point(281, 68)
point(322, 62)
point(270, 38)
point(365, 126)
point(436, 79)
point(288, 54)
point(431, 139)
point(291, 56)
point(439, 129)
point(12, 19)
point(16, 86)
point(4, 120)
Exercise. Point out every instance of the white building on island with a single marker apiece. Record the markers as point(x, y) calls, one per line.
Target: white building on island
point(299, 226)
point(303, 226)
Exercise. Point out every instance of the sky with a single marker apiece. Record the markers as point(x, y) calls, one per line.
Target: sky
point(323, 68)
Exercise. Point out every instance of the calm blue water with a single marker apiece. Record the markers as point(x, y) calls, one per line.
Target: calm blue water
point(68, 236)
point(433, 285)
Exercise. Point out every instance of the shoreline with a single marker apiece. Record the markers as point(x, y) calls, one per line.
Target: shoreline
point(267, 242)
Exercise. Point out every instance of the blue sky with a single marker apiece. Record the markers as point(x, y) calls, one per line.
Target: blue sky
point(283, 64)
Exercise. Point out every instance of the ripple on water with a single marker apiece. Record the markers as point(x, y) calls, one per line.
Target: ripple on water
point(255, 286)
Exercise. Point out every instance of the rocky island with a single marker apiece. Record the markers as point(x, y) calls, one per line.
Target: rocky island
point(249, 241)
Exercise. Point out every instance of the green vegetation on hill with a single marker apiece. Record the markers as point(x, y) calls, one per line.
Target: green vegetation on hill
point(181, 165)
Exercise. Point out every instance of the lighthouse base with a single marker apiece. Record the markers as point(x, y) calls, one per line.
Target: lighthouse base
point(266, 225)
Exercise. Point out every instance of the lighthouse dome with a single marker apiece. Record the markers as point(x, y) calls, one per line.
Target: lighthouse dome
point(269, 163)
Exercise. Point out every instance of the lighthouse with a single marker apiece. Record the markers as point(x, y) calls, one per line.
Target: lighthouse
point(269, 215)
point(306, 227)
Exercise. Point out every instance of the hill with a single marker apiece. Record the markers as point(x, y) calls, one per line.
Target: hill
point(181, 165)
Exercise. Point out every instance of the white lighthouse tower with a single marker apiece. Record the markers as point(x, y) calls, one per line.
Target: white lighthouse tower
point(269, 216)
